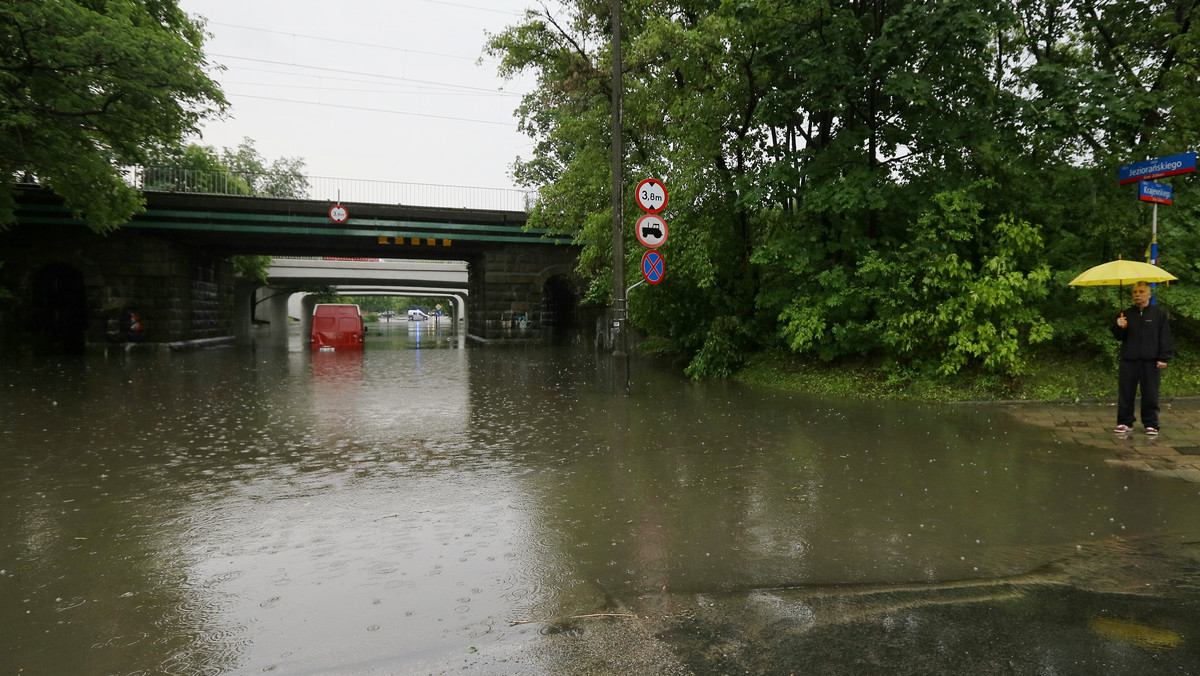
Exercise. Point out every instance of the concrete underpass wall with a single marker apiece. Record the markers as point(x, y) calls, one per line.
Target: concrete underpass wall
point(510, 292)
point(81, 292)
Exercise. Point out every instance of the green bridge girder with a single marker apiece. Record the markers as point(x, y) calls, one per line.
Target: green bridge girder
point(276, 226)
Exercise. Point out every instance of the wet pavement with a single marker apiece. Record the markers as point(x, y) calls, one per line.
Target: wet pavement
point(1174, 452)
point(421, 508)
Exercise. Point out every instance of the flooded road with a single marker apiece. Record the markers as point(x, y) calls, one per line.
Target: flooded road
point(422, 508)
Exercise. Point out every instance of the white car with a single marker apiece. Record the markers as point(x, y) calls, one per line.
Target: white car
point(417, 315)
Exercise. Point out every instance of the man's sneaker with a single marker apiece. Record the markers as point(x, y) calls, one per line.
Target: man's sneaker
point(1152, 431)
point(1122, 429)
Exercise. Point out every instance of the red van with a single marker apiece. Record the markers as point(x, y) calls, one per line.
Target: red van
point(336, 326)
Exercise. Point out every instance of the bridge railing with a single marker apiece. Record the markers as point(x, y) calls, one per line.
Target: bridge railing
point(295, 186)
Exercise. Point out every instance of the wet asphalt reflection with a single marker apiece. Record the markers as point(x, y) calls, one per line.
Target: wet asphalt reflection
point(424, 507)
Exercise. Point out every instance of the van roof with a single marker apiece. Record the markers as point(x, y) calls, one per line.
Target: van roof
point(335, 305)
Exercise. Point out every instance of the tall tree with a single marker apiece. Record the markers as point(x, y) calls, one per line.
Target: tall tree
point(86, 87)
point(229, 171)
point(283, 177)
point(835, 164)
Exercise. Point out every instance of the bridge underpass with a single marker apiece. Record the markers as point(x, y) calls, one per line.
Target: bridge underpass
point(443, 279)
point(171, 264)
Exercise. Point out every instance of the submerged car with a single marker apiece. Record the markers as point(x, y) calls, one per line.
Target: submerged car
point(336, 326)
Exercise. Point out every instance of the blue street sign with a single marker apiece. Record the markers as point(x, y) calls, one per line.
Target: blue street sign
point(1149, 191)
point(1163, 166)
point(653, 267)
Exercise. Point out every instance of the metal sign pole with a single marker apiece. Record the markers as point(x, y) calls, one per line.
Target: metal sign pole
point(1154, 251)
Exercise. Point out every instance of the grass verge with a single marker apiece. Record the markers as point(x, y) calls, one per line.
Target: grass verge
point(1047, 378)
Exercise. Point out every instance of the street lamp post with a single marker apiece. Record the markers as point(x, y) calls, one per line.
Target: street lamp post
point(618, 209)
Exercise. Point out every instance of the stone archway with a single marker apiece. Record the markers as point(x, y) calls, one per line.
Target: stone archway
point(59, 311)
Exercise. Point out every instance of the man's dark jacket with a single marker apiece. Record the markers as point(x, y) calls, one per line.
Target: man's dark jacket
point(1147, 334)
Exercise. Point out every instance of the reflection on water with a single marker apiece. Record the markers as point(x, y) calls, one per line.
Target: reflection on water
point(423, 335)
point(407, 509)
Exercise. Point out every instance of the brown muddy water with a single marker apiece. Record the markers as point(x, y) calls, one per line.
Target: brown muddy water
point(427, 508)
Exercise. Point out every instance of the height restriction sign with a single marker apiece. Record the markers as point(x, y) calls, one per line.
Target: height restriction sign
point(651, 195)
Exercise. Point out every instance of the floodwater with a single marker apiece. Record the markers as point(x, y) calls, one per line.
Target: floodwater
point(426, 507)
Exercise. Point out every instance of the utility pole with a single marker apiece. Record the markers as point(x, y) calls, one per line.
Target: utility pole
point(618, 208)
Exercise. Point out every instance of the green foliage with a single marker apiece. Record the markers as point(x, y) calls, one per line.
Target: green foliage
point(723, 349)
point(1052, 376)
point(284, 177)
point(192, 168)
point(86, 87)
point(907, 182)
point(942, 301)
point(253, 267)
point(239, 171)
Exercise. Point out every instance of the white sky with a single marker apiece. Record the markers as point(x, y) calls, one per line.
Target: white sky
point(386, 90)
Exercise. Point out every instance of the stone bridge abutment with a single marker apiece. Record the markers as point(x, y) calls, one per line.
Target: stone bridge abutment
point(75, 289)
point(518, 292)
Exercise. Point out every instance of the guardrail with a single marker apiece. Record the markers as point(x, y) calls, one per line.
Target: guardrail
point(292, 186)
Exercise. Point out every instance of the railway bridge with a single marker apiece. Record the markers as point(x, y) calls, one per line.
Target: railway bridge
point(171, 266)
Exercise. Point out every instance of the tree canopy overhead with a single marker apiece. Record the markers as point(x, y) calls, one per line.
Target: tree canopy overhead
point(87, 86)
point(909, 180)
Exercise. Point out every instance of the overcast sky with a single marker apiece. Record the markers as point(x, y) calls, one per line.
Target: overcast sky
point(386, 90)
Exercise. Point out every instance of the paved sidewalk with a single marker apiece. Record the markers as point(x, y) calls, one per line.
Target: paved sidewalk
point(1173, 453)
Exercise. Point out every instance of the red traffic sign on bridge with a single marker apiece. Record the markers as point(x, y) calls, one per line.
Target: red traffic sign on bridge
point(338, 213)
point(651, 195)
point(653, 267)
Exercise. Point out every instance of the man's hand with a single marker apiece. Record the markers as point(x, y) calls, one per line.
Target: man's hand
point(1162, 364)
point(1121, 322)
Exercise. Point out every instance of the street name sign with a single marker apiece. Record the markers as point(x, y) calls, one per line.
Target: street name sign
point(1149, 191)
point(651, 230)
point(1151, 169)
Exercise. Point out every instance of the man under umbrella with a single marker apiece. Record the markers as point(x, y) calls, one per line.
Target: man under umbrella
point(1145, 334)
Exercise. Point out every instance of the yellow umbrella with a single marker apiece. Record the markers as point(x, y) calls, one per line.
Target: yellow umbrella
point(1121, 272)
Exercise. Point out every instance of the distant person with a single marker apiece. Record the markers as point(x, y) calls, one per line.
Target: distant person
point(1146, 347)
